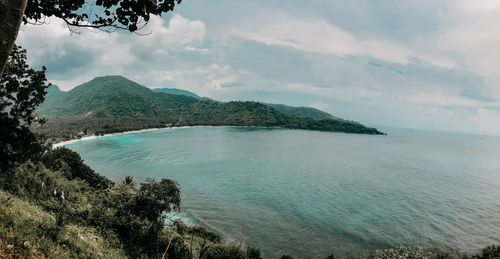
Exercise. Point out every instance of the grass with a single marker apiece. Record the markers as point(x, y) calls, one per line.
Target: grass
point(28, 231)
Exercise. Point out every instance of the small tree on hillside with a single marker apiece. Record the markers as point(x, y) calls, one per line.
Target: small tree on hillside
point(21, 90)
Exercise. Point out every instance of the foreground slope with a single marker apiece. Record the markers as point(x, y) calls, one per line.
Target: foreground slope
point(114, 103)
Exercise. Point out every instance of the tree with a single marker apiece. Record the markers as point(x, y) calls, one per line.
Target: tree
point(21, 90)
point(140, 216)
point(106, 15)
point(156, 198)
point(68, 161)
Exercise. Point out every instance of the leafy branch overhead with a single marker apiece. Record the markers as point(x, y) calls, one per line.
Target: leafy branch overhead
point(103, 14)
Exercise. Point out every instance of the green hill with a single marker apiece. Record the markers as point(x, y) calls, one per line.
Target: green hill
point(112, 96)
point(301, 112)
point(114, 104)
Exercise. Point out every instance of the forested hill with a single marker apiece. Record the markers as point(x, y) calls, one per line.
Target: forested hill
point(113, 104)
point(301, 112)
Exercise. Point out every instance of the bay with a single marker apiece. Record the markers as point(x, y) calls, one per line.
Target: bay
point(310, 193)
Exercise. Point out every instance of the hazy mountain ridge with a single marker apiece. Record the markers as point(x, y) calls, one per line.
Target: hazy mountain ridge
point(97, 106)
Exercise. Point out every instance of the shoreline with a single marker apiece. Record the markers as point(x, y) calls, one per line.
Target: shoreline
point(66, 142)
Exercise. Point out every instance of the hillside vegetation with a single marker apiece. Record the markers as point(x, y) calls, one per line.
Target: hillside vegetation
point(301, 112)
point(56, 206)
point(114, 103)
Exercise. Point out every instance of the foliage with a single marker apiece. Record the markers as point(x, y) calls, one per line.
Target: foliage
point(155, 198)
point(70, 162)
point(489, 252)
point(27, 230)
point(21, 90)
point(103, 14)
point(300, 112)
point(222, 252)
point(98, 222)
point(253, 253)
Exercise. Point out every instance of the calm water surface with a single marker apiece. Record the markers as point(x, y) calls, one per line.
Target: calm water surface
point(310, 193)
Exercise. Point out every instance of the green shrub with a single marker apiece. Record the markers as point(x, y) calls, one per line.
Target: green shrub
point(70, 162)
point(489, 252)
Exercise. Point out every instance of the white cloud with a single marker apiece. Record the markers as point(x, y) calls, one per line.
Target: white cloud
point(72, 59)
point(469, 29)
point(219, 82)
point(437, 98)
point(318, 35)
point(179, 30)
point(340, 92)
point(204, 80)
point(196, 49)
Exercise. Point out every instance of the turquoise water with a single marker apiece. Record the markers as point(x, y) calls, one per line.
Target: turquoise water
point(311, 193)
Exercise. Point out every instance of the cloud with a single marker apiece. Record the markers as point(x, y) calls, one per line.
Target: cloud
point(423, 64)
point(318, 35)
point(440, 99)
point(76, 58)
point(196, 49)
point(468, 30)
point(179, 30)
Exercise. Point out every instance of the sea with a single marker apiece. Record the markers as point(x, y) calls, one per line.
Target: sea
point(310, 193)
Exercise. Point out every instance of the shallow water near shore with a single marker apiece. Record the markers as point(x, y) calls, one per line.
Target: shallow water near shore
point(310, 193)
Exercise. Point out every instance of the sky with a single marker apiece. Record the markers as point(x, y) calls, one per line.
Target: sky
point(424, 64)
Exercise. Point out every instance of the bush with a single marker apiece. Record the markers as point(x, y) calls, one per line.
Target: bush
point(489, 252)
point(70, 162)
